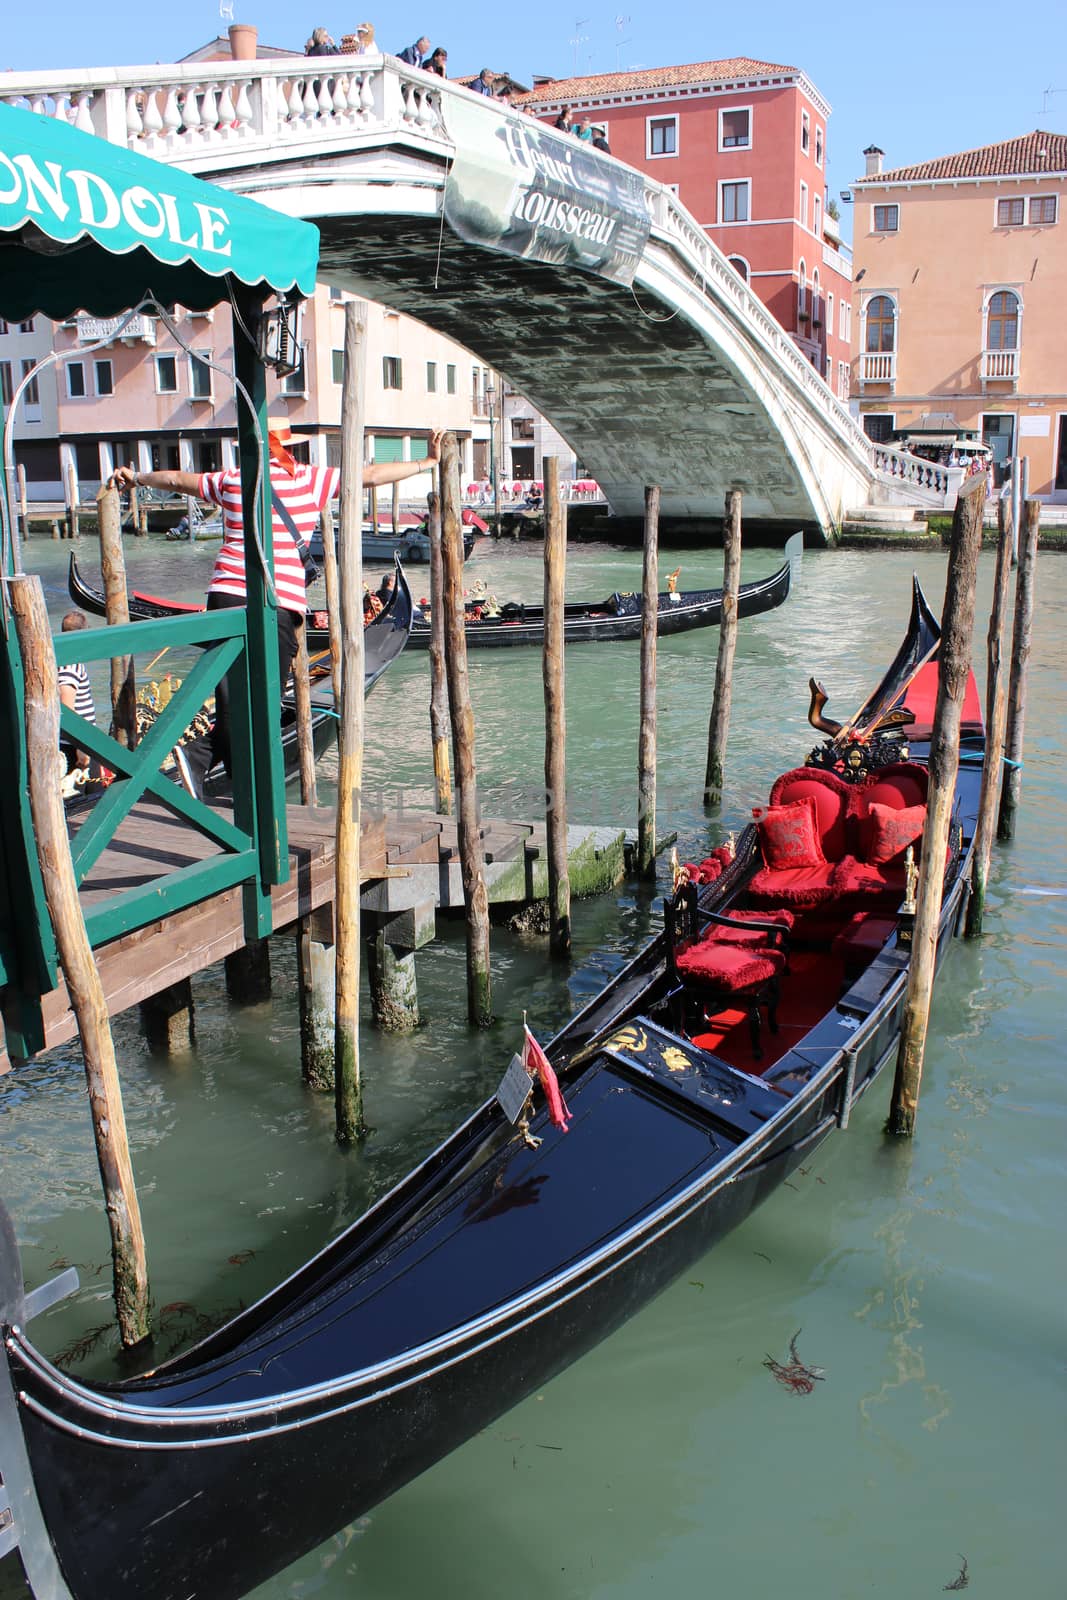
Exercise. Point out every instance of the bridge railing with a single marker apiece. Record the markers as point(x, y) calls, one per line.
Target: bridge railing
point(178, 112)
point(904, 468)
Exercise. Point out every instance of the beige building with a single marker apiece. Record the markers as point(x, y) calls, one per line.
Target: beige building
point(960, 287)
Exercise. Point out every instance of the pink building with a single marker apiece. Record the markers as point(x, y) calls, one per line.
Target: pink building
point(743, 145)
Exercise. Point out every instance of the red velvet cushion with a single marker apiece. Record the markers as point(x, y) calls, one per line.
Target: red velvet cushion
point(888, 830)
point(729, 967)
point(798, 887)
point(789, 835)
point(832, 797)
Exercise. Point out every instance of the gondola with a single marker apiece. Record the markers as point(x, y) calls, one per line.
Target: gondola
point(617, 617)
point(383, 641)
point(511, 1249)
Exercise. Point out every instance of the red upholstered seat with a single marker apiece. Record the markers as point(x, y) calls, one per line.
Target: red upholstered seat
point(860, 940)
point(799, 888)
point(730, 967)
point(832, 798)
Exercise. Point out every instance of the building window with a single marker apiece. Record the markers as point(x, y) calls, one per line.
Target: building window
point(431, 377)
point(733, 201)
point(886, 219)
point(816, 216)
point(76, 380)
point(818, 147)
point(880, 337)
point(661, 135)
point(735, 129)
point(844, 380)
point(816, 300)
point(1002, 322)
point(450, 379)
point(392, 372)
point(166, 375)
point(103, 377)
point(26, 327)
point(802, 289)
point(338, 362)
point(296, 382)
point(879, 426)
point(829, 315)
point(335, 293)
point(6, 391)
point(805, 132)
point(200, 374)
point(388, 449)
point(522, 428)
point(1042, 209)
point(803, 205)
point(32, 395)
point(1010, 213)
point(740, 266)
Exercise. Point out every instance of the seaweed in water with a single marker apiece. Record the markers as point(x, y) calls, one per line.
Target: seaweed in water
point(794, 1374)
point(962, 1580)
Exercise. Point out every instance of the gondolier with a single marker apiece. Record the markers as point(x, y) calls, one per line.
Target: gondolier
point(299, 494)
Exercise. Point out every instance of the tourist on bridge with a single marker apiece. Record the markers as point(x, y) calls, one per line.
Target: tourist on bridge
point(565, 122)
point(299, 495)
point(75, 692)
point(320, 44)
point(585, 130)
point(600, 141)
point(438, 62)
point(483, 83)
point(415, 53)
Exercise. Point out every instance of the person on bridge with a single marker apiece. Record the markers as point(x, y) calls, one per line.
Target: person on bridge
point(299, 495)
point(438, 62)
point(483, 83)
point(565, 121)
point(320, 44)
point(414, 54)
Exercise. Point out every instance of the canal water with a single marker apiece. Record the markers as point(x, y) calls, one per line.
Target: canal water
point(926, 1278)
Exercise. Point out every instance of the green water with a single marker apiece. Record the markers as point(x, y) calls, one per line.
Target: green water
point(927, 1278)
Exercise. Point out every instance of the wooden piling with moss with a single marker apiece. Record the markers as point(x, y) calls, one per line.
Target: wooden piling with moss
point(996, 703)
point(719, 725)
point(130, 1269)
point(117, 607)
point(954, 665)
point(472, 855)
point(646, 739)
point(439, 722)
point(553, 677)
point(1020, 663)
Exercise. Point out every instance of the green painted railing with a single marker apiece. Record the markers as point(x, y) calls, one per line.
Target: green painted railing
point(237, 857)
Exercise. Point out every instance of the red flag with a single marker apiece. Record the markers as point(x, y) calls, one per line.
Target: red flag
point(536, 1062)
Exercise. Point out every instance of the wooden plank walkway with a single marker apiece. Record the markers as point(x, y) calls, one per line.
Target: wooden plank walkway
point(153, 841)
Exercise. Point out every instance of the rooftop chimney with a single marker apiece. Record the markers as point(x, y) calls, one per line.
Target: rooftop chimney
point(243, 39)
point(874, 160)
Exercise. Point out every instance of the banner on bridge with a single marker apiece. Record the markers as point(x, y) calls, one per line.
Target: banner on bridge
point(526, 190)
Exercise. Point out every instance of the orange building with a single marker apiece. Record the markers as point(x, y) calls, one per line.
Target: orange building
point(743, 145)
point(961, 282)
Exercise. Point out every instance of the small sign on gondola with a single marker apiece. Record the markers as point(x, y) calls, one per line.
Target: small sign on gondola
point(514, 1089)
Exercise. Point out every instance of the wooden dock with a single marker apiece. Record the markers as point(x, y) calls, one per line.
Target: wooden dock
point(409, 871)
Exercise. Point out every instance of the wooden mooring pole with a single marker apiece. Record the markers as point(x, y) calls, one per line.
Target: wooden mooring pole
point(71, 487)
point(396, 511)
point(442, 773)
point(472, 855)
point(309, 795)
point(996, 702)
point(117, 606)
point(76, 956)
point(1020, 664)
point(559, 883)
point(646, 739)
point(719, 725)
point(954, 658)
point(348, 1090)
point(24, 509)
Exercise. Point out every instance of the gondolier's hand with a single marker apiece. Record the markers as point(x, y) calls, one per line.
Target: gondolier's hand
point(433, 453)
point(122, 478)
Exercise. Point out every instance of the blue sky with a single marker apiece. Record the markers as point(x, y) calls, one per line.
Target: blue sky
point(918, 80)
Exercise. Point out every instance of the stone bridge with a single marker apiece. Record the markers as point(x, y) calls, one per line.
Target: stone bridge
point(679, 376)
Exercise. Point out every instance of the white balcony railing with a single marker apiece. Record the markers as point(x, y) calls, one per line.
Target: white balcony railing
point(1000, 366)
point(878, 366)
point(95, 330)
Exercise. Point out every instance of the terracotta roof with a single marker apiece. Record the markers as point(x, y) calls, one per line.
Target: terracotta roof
point(1012, 158)
point(611, 83)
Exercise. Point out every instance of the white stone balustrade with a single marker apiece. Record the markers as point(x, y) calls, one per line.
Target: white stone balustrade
point(904, 468)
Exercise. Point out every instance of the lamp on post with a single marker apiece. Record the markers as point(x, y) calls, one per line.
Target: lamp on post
point(494, 475)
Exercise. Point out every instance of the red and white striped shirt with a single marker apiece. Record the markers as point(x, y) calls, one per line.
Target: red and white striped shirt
point(304, 496)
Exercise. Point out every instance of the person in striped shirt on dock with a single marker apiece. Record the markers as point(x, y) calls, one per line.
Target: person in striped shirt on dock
point(304, 492)
point(75, 692)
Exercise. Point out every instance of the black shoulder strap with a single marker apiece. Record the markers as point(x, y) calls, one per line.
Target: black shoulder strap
point(282, 509)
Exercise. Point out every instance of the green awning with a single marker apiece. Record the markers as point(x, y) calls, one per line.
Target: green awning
point(90, 226)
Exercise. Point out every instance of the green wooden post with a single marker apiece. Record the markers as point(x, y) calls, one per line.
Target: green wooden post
point(267, 792)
